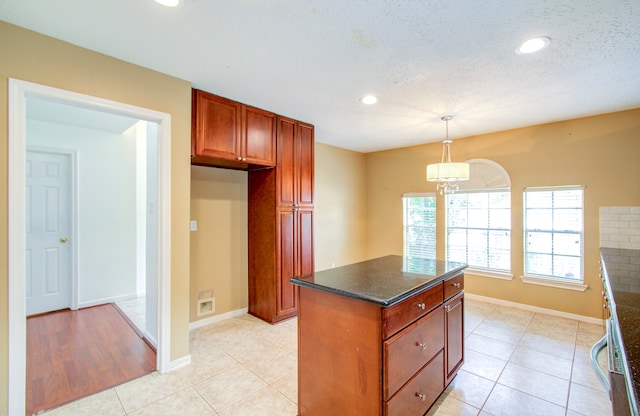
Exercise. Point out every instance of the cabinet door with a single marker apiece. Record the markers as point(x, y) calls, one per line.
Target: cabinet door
point(217, 126)
point(286, 301)
point(454, 326)
point(304, 168)
point(285, 188)
point(304, 232)
point(259, 136)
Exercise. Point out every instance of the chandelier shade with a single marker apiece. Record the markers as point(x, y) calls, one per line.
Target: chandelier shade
point(447, 173)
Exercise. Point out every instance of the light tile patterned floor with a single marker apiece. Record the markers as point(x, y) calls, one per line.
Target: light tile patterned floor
point(135, 309)
point(516, 363)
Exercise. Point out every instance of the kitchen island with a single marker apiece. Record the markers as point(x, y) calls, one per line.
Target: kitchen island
point(379, 337)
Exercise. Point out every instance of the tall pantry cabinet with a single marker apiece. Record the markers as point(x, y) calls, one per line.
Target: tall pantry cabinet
point(281, 223)
point(277, 152)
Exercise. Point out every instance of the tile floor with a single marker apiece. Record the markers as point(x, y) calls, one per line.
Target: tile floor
point(517, 363)
point(135, 309)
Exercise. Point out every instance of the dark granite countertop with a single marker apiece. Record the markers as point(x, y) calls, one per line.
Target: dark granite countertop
point(622, 269)
point(383, 281)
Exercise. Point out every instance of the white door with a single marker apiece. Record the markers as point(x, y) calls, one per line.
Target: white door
point(48, 229)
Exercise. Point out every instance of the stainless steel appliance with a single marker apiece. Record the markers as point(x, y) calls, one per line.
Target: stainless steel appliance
point(614, 380)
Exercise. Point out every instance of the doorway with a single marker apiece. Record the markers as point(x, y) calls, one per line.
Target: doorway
point(20, 92)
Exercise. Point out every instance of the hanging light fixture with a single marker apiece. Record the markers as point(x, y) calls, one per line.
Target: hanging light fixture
point(447, 173)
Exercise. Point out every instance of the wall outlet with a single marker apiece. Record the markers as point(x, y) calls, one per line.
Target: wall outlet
point(206, 306)
point(194, 225)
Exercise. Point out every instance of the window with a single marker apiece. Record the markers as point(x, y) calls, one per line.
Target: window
point(478, 220)
point(479, 229)
point(553, 233)
point(419, 212)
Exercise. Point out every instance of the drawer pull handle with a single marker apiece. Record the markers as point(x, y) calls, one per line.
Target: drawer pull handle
point(455, 284)
point(421, 345)
point(422, 397)
point(421, 306)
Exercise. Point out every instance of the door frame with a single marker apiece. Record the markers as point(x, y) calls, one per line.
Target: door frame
point(73, 235)
point(18, 92)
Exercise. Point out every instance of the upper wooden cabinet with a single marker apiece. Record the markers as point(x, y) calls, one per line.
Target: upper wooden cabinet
point(229, 134)
point(295, 164)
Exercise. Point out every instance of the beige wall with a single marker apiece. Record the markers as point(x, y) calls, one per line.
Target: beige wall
point(219, 247)
point(32, 57)
point(339, 218)
point(602, 153)
point(219, 204)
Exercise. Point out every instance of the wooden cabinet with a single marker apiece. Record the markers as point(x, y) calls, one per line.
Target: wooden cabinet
point(294, 255)
point(361, 358)
point(295, 164)
point(454, 326)
point(454, 336)
point(226, 133)
point(281, 223)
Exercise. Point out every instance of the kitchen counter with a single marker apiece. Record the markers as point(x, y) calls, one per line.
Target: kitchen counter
point(384, 281)
point(379, 337)
point(622, 269)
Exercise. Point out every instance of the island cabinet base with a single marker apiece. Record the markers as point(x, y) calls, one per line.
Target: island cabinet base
point(360, 358)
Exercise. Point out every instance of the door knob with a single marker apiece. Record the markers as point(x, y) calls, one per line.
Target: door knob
point(63, 239)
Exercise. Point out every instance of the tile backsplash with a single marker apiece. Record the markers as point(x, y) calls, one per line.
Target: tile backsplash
point(620, 227)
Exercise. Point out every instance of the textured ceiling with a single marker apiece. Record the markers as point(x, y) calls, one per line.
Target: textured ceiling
point(313, 59)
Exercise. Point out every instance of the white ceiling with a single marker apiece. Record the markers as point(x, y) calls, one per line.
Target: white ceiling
point(313, 59)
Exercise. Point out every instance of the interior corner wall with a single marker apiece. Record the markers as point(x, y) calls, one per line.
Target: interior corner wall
point(106, 207)
point(219, 257)
point(29, 56)
point(601, 153)
point(339, 207)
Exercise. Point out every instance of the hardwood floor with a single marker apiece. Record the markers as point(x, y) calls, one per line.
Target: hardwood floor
point(72, 354)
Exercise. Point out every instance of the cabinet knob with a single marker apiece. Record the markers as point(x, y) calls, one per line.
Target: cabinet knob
point(421, 306)
point(422, 397)
point(239, 158)
point(455, 284)
point(421, 345)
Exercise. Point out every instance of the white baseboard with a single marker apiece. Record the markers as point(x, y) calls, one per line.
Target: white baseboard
point(180, 362)
point(217, 318)
point(530, 308)
point(103, 301)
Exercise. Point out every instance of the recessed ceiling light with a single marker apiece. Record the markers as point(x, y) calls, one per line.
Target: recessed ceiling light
point(169, 3)
point(369, 99)
point(533, 45)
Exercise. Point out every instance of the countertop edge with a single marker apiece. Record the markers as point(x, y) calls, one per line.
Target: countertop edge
point(380, 302)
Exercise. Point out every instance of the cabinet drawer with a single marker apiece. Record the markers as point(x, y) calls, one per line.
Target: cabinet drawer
point(417, 396)
point(396, 317)
point(453, 285)
point(408, 351)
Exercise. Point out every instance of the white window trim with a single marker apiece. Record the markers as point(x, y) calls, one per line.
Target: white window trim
point(553, 282)
point(489, 273)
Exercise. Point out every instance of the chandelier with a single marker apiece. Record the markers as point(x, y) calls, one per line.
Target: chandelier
point(447, 173)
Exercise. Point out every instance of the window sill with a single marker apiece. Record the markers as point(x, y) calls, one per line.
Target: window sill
point(557, 283)
point(489, 273)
